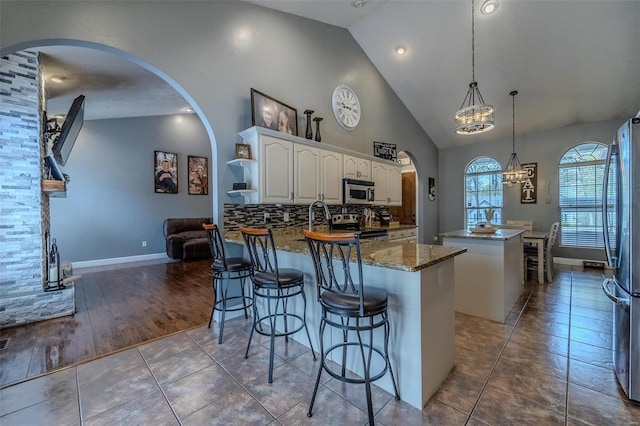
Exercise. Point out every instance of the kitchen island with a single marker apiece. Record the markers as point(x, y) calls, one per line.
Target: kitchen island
point(419, 280)
point(489, 277)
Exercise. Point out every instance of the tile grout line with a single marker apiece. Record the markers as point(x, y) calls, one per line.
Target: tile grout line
point(484, 386)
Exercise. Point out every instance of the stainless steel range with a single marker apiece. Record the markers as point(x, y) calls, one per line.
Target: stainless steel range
point(352, 222)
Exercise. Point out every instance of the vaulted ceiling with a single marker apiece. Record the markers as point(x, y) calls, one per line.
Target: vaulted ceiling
point(572, 62)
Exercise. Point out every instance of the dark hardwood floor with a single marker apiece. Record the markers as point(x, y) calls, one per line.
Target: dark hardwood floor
point(116, 307)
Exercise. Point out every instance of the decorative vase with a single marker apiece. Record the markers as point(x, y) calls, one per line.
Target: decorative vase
point(488, 215)
point(308, 134)
point(318, 120)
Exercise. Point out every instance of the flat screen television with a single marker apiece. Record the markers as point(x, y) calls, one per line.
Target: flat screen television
point(63, 144)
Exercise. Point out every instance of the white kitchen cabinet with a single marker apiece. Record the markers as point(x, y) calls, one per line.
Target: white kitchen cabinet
point(394, 186)
point(357, 167)
point(306, 174)
point(388, 183)
point(291, 170)
point(317, 175)
point(331, 164)
point(276, 170)
point(405, 235)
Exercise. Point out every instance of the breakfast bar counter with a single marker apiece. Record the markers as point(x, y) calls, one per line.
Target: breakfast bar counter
point(419, 279)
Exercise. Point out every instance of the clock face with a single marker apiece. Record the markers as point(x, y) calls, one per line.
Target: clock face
point(346, 107)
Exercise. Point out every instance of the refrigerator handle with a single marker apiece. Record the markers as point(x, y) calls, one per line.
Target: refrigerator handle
point(605, 218)
point(607, 290)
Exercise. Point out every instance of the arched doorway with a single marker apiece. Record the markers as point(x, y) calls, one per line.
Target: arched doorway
point(407, 213)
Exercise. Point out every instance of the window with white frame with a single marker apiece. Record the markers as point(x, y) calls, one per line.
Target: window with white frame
point(580, 180)
point(482, 190)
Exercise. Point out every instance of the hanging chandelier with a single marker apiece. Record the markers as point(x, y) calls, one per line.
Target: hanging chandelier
point(474, 116)
point(513, 173)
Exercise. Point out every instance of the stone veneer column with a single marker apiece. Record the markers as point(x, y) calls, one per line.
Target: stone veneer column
point(24, 211)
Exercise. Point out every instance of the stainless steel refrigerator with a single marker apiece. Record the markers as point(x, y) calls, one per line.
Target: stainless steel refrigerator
point(621, 216)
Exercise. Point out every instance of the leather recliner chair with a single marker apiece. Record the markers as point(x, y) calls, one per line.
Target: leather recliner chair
point(186, 239)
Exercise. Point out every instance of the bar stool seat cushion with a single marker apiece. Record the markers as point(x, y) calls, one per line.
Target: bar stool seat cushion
point(233, 264)
point(375, 301)
point(288, 277)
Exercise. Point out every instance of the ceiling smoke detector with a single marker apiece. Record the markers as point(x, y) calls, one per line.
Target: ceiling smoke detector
point(358, 3)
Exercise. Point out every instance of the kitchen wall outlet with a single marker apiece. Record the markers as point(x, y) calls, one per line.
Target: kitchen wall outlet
point(547, 200)
point(144, 244)
point(286, 216)
point(267, 216)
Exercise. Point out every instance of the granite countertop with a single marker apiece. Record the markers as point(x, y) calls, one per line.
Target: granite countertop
point(387, 228)
point(499, 235)
point(408, 257)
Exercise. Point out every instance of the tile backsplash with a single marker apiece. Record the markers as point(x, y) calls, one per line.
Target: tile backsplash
point(252, 215)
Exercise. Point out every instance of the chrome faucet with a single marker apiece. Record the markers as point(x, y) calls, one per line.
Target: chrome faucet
point(319, 203)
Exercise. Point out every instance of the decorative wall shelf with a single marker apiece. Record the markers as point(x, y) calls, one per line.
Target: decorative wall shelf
point(242, 162)
point(244, 192)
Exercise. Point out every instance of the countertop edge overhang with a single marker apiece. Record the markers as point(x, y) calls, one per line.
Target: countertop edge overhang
point(499, 235)
point(409, 257)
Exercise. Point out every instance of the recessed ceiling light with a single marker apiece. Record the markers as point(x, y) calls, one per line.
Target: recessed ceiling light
point(188, 109)
point(57, 78)
point(401, 50)
point(358, 3)
point(489, 6)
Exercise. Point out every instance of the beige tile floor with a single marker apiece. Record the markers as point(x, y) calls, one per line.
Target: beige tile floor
point(550, 364)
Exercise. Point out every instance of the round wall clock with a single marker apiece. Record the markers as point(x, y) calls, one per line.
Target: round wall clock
point(346, 107)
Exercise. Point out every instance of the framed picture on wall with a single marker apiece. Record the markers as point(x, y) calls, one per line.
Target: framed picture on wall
point(272, 114)
point(432, 188)
point(165, 168)
point(243, 151)
point(529, 188)
point(198, 175)
point(385, 150)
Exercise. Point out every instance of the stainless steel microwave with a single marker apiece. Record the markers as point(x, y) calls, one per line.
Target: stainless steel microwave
point(357, 191)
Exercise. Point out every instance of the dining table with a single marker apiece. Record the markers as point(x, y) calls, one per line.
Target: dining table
point(538, 238)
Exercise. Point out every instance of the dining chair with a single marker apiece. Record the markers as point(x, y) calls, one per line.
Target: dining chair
point(273, 287)
point(225, 270)
point(531, 254)
point(351, 308)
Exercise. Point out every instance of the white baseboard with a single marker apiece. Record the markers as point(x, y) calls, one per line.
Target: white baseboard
point(117, 260)
point(574, 262)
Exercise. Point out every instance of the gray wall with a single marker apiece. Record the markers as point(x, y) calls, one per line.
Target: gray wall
point(545, 148)
point(214, 52)
point(111, 206)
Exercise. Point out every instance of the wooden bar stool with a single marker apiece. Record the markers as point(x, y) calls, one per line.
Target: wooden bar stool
point(226, 269)
point(274, 286)
point(351, 307)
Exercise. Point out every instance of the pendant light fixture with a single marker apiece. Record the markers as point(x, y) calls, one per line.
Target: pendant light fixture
point(513, 173)
point(474, 115)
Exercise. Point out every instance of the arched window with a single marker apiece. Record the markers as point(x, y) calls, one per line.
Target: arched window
point(482, 190)
point(580, 180)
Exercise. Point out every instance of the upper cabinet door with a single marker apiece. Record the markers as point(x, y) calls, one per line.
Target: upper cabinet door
point(306, 175)
point(394, 186)
point(388, 181)
point(276, 181)
point(357, 168)
point(331, 167)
